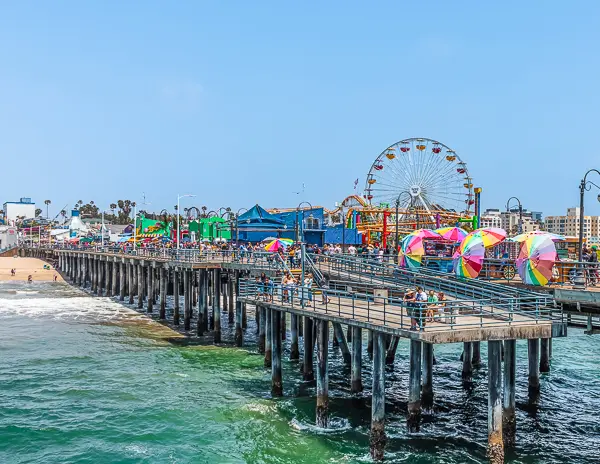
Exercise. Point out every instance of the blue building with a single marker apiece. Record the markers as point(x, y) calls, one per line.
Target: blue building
point(257, 224)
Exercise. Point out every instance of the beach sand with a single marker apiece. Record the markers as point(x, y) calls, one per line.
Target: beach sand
point(25, 267)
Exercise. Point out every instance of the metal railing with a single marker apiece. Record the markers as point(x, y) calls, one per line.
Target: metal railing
point(394, 312)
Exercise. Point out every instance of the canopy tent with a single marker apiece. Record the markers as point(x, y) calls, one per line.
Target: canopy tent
point(259, 218)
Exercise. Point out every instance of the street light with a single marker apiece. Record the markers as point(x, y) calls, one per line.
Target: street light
point(398, 216)
point(179, 197)
point(301, 225)
point(237, 227)
point(520, 227)
point(583, 186)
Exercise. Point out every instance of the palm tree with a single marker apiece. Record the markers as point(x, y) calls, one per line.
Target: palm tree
point(47, 203)
point(112, 207)
point(63, 213)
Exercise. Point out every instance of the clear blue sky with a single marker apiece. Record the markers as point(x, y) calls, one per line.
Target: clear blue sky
point(241, 102)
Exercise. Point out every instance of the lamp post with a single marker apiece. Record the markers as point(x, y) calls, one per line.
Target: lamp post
point(301, 225)
point(398, 217)
point(237, 226)
point(583, 186)
point(179, 197)
point(520, 226)
point(343, 227)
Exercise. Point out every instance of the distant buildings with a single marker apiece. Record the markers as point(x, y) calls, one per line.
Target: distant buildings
point(24, 208)
point(8, 236)
point(509, 220)
point(569, 225)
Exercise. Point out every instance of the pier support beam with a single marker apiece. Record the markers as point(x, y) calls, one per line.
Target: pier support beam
point(467, 367)
point(239, 337)
point(187, 313)
point(176, 296)
point(114, 280)
point(150, 304)
point(356, 368)
point(427, 390)
point(162, 312)
point(308, 372)
point(140, 302)
point(533, 349)
point(341, 339)
point(268, 337)
point(231, 306)
point(217, 306)
point(544, 355)
point(122, 277)
point(370, 343)
point(200, 326)
point(378, 438)
point(204, 299)
point(414, 387)
point(322, 374)
point(495, 448)
point(390, 355)
point(276, 381)
point(294, 351)
point(476, 358)
point(130, 278)
point(509, 422)
point(262, 327)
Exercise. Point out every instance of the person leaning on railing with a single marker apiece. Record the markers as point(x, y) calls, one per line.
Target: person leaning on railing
point(409, 301)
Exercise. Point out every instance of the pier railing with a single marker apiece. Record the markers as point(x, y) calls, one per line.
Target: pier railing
point(396, 312)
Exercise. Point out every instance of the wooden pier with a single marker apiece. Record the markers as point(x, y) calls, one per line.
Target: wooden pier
point(226, 287)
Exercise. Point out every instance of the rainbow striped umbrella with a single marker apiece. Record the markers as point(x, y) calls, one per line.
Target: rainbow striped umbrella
point(278, 243)
point(490, 236)
point(537, 233)
point(452, 234)
point(536, 260)
point(412, 248)
point(468, 259)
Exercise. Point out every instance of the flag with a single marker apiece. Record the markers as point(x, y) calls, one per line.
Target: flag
point(355, 184)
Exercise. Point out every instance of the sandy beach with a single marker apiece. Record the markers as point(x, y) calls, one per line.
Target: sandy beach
point(25, 267)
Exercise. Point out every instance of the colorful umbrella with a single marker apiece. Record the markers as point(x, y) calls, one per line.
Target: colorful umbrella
point(468, 259)
point(536, 259)
point(412, 248)
point(489, 236)
point(537, 233)
point(278, 243)
point(452, 234)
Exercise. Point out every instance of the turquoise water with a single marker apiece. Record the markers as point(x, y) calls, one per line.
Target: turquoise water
point(86, 380)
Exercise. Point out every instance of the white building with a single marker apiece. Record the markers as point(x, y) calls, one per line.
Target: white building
point(491, 218)
point(8, 236)
point(24, 208)
point(509, 220)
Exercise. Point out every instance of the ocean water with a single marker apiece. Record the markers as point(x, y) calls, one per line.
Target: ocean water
point(87, 380)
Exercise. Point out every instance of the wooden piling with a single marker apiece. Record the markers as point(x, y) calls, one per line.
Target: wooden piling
point(268, 336)
point(495, 448)
point(378, 438)
point(509, 422)
point(370, 343)
point(476, 358)
point(122, 277)
point(217, 306)
point(294, 350)
point(114, 281)
point(467, 367)
point(390, 355)
point(239, 338)
point(308, 372)
point(176, 296)
point(283, 325)
point(544, 355)
point(322, 374)
point(356, 368)
point(276, 380)
point(200, 326)
point(230, 295)
point(187, 317)
point(130, 278)
point(141, 282)
point(262, 327)
point(162, 313)
point(150, 303)
point(427, 388)
point(414, 392)
point(533, 349)
point(338, 333)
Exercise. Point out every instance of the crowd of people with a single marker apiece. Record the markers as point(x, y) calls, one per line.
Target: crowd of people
point(422, 307)
point(289, 288)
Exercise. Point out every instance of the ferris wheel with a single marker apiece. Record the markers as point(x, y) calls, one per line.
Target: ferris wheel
point(420, 175)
